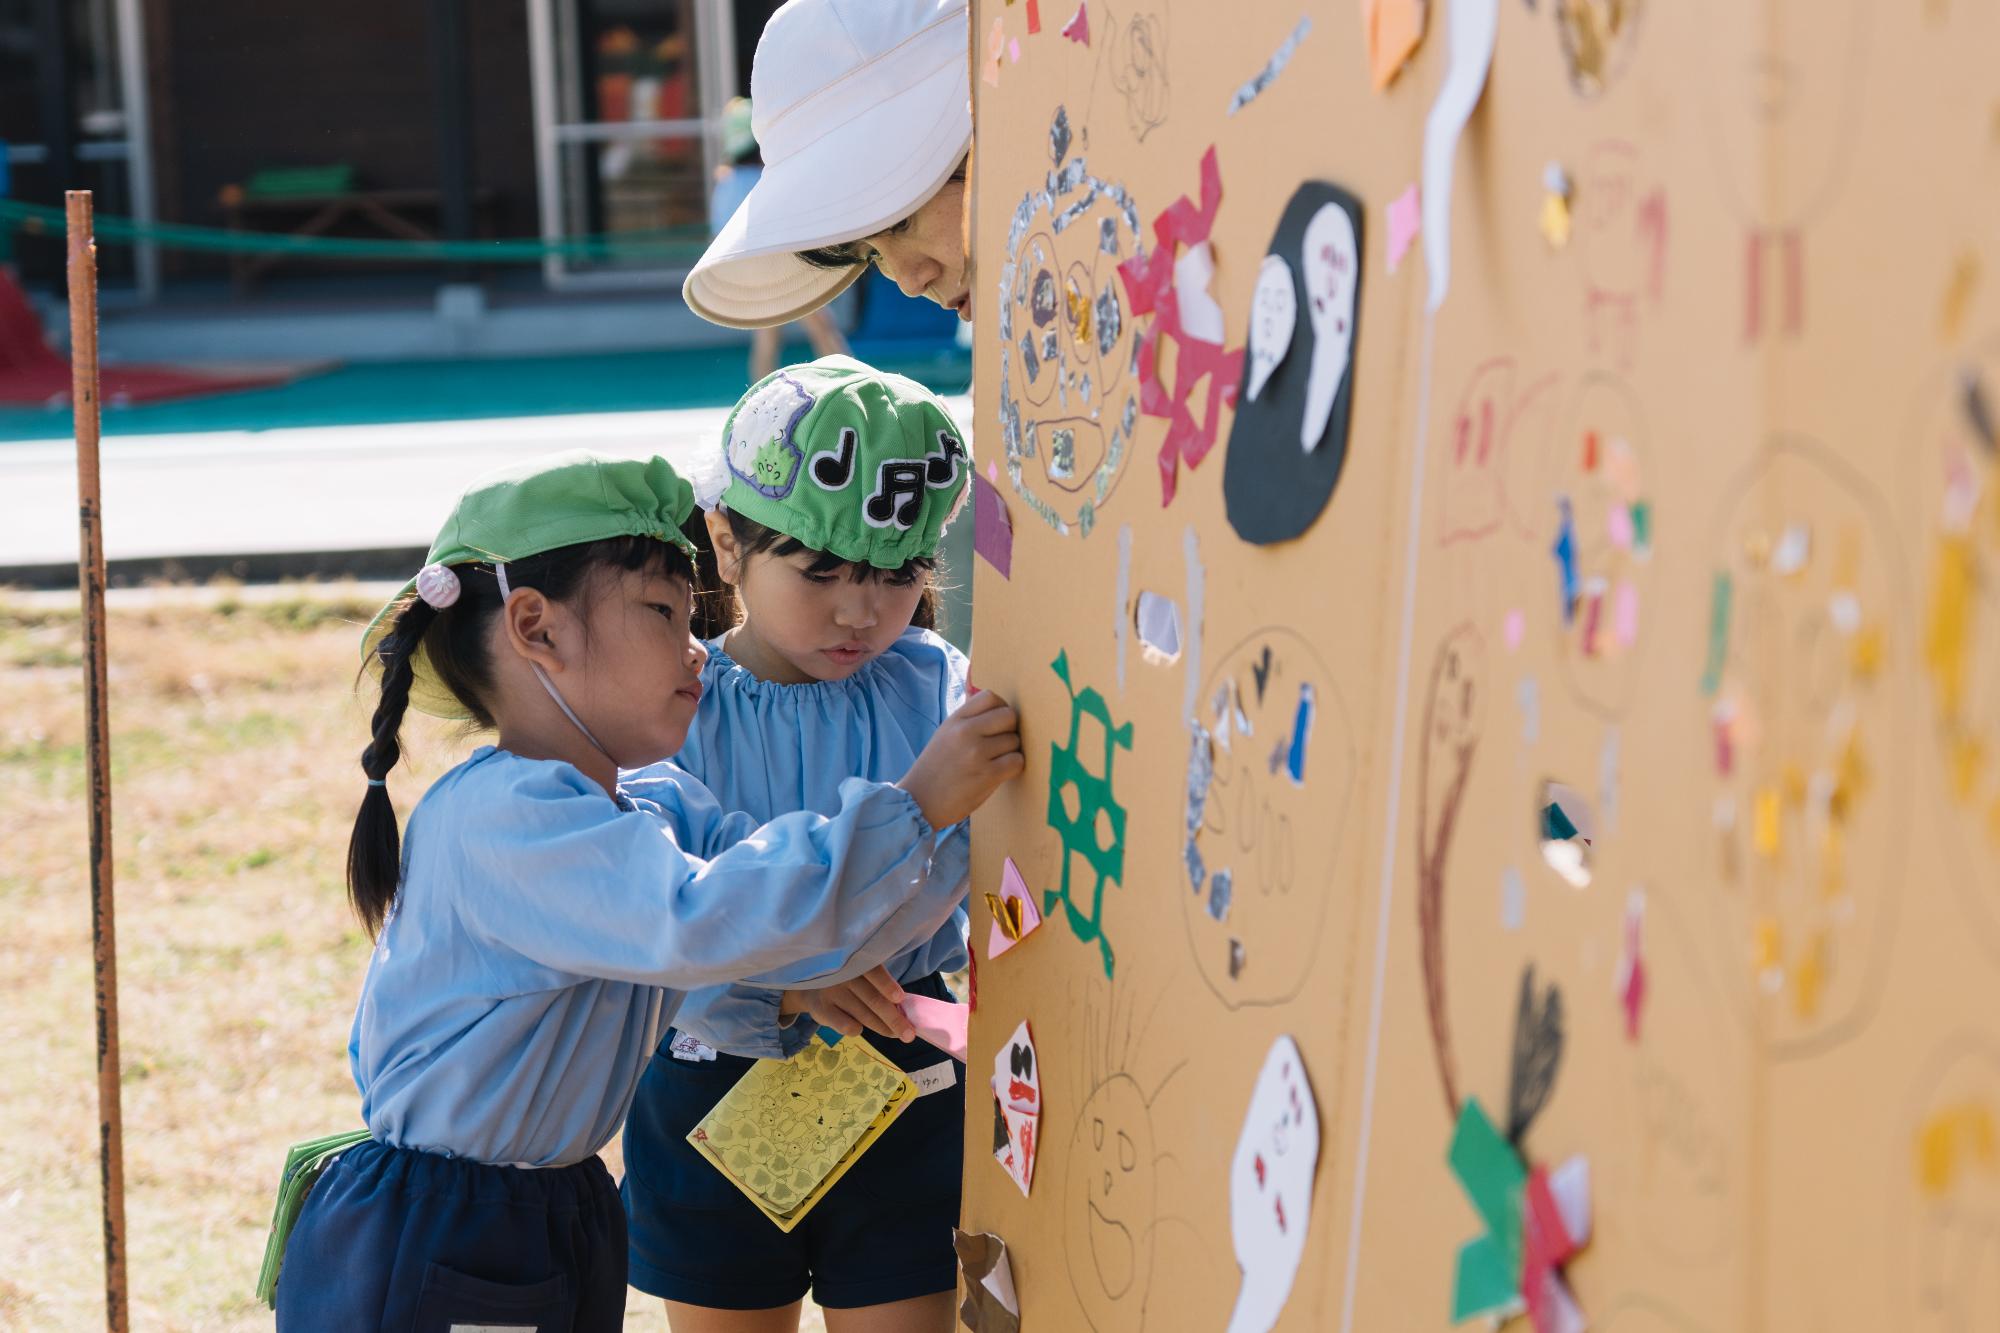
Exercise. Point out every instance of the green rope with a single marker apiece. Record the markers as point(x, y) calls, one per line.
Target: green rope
point(683, 246)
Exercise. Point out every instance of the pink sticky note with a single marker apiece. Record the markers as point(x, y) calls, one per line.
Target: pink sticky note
point(992, 527)
point(1013, 888)
point(1078, 27)
point(1406, 216)
point(1516, 629)
point(1626, 614)
point(939, 1022)
point(1618, 526)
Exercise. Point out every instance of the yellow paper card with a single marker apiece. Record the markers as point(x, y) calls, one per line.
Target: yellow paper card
point(789, 1129)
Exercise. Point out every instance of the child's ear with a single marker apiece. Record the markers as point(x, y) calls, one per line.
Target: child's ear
point(528, 623)
point(728, 555)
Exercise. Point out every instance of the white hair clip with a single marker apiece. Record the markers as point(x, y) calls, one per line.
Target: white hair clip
point(438, 585)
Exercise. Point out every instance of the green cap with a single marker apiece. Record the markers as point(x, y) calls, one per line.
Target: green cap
point(847, 459)
point(543, 504)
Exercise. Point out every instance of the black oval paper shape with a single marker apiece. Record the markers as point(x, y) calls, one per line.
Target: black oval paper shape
point(1272, 488)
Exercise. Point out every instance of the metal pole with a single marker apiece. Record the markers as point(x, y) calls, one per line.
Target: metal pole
point(90, 582)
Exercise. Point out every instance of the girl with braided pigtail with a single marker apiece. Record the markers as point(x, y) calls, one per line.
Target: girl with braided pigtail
point(537, 927)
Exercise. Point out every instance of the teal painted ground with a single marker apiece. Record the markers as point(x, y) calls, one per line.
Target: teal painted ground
point(461, 390)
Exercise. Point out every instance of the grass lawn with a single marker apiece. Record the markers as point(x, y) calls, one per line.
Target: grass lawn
point(235, 734)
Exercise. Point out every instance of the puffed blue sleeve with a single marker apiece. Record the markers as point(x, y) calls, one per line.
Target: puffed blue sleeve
point(569, 880)
point(744, 1019)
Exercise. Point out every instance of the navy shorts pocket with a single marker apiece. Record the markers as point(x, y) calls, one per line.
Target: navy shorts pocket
point(454, 1302)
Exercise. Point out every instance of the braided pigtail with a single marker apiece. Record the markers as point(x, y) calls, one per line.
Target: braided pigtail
point(374, 850)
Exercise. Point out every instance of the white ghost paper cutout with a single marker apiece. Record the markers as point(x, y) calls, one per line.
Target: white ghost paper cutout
point(1201, 317)
point(1274, 314)
point(1333, 275)
point(1270, 1187)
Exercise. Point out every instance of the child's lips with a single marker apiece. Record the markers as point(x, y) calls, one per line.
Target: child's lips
point(691, 692)
point(847, 653)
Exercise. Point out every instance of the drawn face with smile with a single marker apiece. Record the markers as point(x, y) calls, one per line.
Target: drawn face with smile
point(1111, 1206)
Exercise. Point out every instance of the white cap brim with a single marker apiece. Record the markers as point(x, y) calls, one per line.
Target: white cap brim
point(845, 185)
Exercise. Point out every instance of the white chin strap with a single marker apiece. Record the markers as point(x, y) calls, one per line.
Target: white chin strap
point(500, 572)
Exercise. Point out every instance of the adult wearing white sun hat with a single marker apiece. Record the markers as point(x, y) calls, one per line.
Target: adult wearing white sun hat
point(863, 110)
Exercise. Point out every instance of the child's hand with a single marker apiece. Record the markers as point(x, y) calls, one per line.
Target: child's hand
point(977, 749)
point(870, 1000)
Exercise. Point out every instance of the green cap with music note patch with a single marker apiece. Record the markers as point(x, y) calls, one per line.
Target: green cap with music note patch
point(847, 459)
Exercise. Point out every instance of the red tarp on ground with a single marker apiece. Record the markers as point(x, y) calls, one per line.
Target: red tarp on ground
point(33, 374)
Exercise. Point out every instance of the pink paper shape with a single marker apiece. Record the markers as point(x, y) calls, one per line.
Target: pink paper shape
point(1012, 886)
point(1516, 628)
point(1625, 618)
point(1149, 287)
point(1034, 17)
point(1013, 50)
point(1618, 526)
point(1406, 219)
point(1078, 27)
point(993, 472)
point(939, 1022)
point(1632, 968)
point(992, 527)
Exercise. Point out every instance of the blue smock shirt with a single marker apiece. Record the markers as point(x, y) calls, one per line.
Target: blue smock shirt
point(544, 931)
point(769, 749)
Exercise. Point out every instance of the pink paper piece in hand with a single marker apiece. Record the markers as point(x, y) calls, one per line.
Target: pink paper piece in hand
point(1149, 287)
point(1013, 889)
point(992, 527)
point(939, 1022)
point(1078, 27)
point(1406, 219)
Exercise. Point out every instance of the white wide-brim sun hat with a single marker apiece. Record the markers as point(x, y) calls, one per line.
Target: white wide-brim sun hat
point(863, 111)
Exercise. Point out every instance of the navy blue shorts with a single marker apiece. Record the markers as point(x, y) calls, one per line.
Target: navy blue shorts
point(391, 1238)
point(881, 1234)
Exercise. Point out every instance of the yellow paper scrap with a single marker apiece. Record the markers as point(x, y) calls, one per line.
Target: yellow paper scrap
point(1765, 822)
point(1006, 914)
point(1769, 952)
point(1953, 1139)
point(1948, 636)
point(789, 1129)
point(1809, 978)
point(1866, 653)
point(1555, 220)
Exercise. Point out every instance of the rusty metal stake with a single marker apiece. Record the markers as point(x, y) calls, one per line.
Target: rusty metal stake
point(90, 578)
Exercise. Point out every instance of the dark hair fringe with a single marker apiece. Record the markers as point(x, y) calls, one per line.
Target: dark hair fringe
point(454, 642)
point(721, 610)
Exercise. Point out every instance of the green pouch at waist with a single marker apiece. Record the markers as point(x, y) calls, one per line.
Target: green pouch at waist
point(303, 1164)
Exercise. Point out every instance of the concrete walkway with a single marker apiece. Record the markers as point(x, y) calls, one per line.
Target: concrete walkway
point(312, 489)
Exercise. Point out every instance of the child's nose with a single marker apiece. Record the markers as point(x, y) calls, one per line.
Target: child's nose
point(697, 653)
point(857, 609)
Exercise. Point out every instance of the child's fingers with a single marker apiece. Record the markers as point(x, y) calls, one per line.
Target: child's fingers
point(983, 702)
point(995, 722)
point(884, 984)
point(862, 1003)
